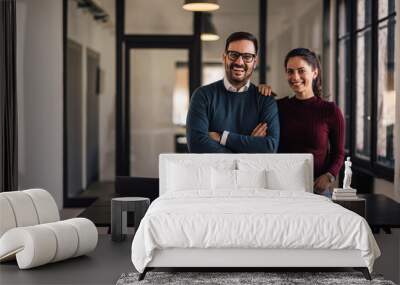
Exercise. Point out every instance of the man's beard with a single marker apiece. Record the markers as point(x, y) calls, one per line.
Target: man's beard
point(229, 72)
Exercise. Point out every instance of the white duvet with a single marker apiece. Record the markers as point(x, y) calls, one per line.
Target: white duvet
point(252, 218)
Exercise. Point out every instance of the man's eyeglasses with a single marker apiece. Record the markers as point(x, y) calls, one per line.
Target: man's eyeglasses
point(234, 55)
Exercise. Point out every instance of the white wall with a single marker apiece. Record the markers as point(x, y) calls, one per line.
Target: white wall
point(40, 95)
point(100, 37)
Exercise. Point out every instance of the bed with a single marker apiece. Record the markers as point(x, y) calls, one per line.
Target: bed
point(246, 211)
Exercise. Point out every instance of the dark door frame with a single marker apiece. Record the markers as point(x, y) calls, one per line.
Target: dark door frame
point(154, 42)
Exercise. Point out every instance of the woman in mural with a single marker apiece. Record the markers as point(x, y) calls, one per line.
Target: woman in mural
point(308, 123)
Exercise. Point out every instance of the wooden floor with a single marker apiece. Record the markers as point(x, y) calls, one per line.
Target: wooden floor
point(103, 266)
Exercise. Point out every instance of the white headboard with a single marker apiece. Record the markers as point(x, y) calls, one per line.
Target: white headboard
point(212, 159)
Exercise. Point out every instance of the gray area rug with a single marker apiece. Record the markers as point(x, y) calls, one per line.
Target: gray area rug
point(229, 278)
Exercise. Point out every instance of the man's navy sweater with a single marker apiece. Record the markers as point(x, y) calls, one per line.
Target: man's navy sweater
point(215, 109)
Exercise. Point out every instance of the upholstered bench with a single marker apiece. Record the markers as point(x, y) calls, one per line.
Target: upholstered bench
point(31, 230)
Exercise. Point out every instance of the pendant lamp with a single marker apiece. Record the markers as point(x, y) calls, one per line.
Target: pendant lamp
point(200, 5)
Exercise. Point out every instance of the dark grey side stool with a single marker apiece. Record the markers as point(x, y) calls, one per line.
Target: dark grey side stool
point(119, 208)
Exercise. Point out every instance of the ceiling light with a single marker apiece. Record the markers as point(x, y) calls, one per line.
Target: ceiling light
point(201, 5)
point(209, 37)
point(208, 30)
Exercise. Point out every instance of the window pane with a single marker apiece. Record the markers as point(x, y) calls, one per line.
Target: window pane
point(154, 17)
point(343, 24)
point(386, 93)
point(363, 13)
point(385, 7)
point(180, 97)
point(363, 94)
point(344, 85)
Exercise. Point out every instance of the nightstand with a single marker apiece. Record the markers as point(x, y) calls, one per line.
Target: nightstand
point(357, 205)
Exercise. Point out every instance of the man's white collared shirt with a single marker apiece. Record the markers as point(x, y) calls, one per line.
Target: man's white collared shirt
point(230, 87)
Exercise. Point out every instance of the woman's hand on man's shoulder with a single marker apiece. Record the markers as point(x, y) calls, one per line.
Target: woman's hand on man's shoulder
point(265, 90)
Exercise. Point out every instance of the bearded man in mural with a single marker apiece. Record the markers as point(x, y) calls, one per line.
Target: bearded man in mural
point(230, 115)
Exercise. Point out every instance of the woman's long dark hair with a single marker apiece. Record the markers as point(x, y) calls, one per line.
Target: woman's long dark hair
point(311, 58)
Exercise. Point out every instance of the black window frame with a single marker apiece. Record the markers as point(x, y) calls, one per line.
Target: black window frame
point(369, 166)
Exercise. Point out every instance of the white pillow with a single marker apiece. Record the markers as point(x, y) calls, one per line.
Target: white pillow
point(182, 177)
point(293, 179)
point(282, 174)
point(223, 179)
point(251, 178)
point(226, 179)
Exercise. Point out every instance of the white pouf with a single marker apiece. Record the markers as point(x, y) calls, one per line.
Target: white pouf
point(31, 232)
point(45, 205)
point(22, 208)
point(7, 220)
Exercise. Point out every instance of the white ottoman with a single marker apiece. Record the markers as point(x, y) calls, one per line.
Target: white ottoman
point(31, 232)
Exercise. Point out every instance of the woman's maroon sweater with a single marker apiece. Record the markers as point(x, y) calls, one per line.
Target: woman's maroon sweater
point(313, 126)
